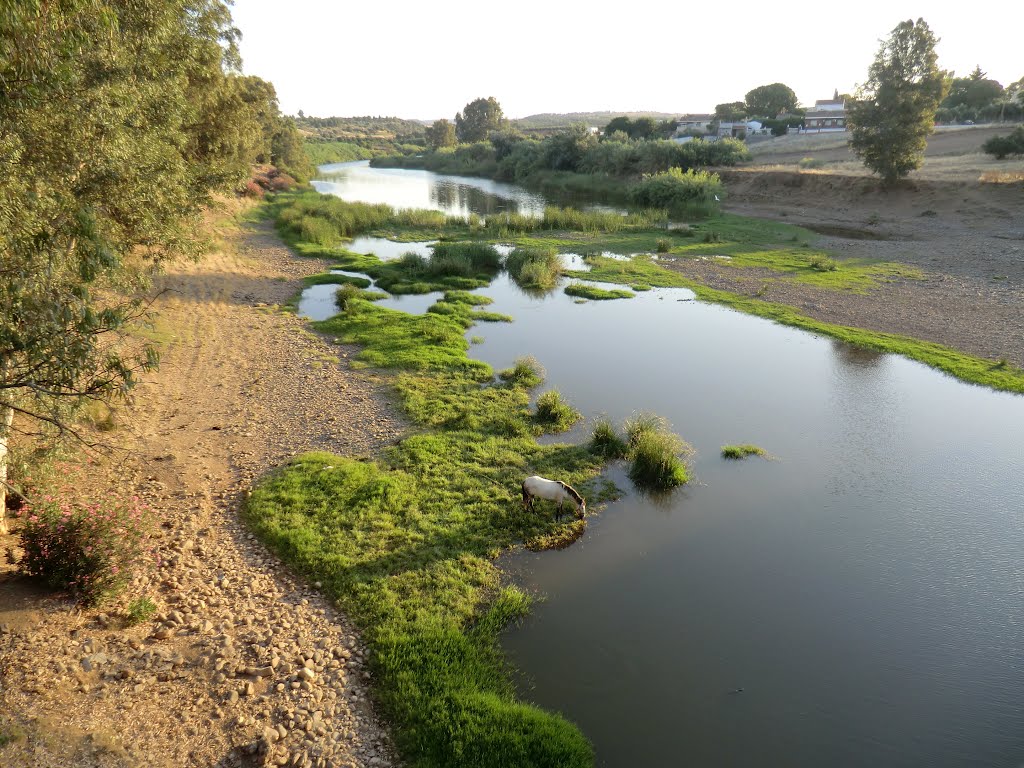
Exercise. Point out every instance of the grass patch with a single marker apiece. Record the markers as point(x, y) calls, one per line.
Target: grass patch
point(606, 441)
point(742, 451)
point(598, 294)
point(554, 413)
point(330, 278)
point(527, 372)
point(140, 610)
point(535, 267)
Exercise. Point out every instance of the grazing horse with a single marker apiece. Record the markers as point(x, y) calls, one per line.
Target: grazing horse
point(552, 490)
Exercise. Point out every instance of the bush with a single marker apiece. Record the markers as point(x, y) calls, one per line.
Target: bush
point(655, 460)
point(809, 162)
point(344, 296)
point(677, 190)
point(823, 264)
point(1002, 147)
point(92, 549)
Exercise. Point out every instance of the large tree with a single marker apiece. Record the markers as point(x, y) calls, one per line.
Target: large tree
point(477, 119)
point(894, 111)
point(731, 111)
point(441, 134)
point(771, 100)
point(117, 121)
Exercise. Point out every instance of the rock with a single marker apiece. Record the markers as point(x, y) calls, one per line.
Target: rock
point(307, 674)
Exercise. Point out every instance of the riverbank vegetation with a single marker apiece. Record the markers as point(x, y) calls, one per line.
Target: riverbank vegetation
point(121, 123)
point(593, 292)
point(325, 151)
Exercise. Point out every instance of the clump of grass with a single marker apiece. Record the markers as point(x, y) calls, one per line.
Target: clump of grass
point(711, 236)
point(476, 339)
point(640, 287)
point(662, 246)
point(655, 461)
point(345, 297)
point(598, 294)
point(655, 453)
point(534, 267)
point(331, 278)
point(526, 372)
point(554, 413)
point(606, 441)
point(140, 610)
point(810, 162)
point(742, 451)
point(823, 263)
point(472, 257)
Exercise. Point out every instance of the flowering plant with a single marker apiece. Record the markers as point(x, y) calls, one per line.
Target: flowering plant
point(92, 549)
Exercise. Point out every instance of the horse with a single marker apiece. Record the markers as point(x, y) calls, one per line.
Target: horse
point(552, 490)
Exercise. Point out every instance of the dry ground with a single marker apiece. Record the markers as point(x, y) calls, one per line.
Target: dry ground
point(244, 664)
point(953, 154)
point(967, 237)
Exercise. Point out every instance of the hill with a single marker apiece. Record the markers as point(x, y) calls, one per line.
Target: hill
point(550, 120)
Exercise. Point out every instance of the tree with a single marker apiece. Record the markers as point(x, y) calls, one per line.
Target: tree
point(731, 112)
point(894, 111)
point(477, 119)
point(975, 91)
point(441, 134)
point(771, 100)
point(117, 121)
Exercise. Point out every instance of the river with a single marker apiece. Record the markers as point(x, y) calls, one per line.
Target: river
point(858, 599)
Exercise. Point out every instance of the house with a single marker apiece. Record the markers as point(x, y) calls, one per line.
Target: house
point(826, 115)
point(740, 129)
point(691, 124)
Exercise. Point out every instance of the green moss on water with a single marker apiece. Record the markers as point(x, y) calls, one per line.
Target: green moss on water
point(742, 451)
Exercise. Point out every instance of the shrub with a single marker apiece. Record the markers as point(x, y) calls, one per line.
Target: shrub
point(606, 440)
point(662, 246)
point(1002, 147)
point(92, 549)
point(678, 190)
point(554, 413)
point(140, 610)
point(809, 162)
point(527, 372)
point(823, 264)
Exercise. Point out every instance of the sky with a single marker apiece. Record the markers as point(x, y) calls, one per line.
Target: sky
point(425, 60)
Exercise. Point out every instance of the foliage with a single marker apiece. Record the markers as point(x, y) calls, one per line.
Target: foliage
point(345, 295)
point(894, 111)
point(323, 152)
point(679, 190)
point(554, 413)
point(1002, 147)
point(91, 548)
point(731, 111)
point(771, 100)
point(139, 610)
point(742, 451)
point(440, 134)
point(973, 92)
point(477, 119)
point(117, 123)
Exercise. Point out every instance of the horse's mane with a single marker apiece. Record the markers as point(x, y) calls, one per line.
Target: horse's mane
point(572, 492)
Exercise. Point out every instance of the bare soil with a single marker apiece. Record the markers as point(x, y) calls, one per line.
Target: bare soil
point(243, 664)
point(967, 237)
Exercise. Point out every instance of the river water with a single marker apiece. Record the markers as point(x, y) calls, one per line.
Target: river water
point(856, 600)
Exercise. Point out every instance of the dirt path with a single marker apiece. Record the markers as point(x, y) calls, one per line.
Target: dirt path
point(967, 238)
point(244, 665)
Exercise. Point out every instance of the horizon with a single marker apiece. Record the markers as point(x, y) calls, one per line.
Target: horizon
point(625, 64)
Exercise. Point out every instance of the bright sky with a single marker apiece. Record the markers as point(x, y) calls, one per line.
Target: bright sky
point(423, 59)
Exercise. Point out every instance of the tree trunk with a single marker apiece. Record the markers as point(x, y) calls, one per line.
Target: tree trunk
point(6, 418)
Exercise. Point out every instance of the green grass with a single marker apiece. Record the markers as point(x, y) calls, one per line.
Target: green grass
point(535, 267)
point(329, 278)
point(553, 413)
point(606, 441)
point(323, 152)
point(595, 293)
point(742, 451)
point(526, 372)
point(405, 543)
